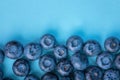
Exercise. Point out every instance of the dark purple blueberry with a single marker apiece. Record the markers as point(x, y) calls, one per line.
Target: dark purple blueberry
point(117, 61)
point(21, 67)
point(111, 74)
point(79, 75)
point(64, 68)
point(92, 48)
point(7, 78)
point(74, 43)
point(13, 49)
point(49, 76)
point(112, 44)
point(93, 73)
point(32, 51)
point(31, 77)
point(60, 52)
point(2, 56)
point(105, 60)
point(47, 63)
point(48, 41)
point(79, 61)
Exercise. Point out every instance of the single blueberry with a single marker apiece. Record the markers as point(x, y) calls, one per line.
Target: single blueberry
point(64, 67)
point(79, 61)
point(32, 51)
point(7, 78)
point(111, 74)
point(13, 49)
point(60, 52)
point(74, 43)
point(117, 61)
point(104, 60)
point(21, 67)
point(49, 76)
point(79, 75)
point(92, 48)
point(47, 63)
point(1, 56)
point(48, 41)
point(93, 73)
point(112, 44)
point(31, 77)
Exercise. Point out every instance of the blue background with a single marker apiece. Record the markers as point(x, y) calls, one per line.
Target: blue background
point(28, 20)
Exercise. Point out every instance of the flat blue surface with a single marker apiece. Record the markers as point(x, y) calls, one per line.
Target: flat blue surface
point(28, 20)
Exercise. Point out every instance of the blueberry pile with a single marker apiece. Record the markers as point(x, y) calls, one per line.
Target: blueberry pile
point(57, 62)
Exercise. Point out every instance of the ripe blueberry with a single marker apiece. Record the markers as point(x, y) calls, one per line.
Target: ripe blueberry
point(79, 75)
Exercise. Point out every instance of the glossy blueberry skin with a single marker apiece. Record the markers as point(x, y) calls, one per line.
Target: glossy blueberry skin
point(1, 74)
point(92, 48)
point(79, 75)
point(117, 61)
point(112, 44)
point(31, 77)
point(48, 41)
point(49, 76)
point(64, 68)
point(74, 43)
point(104, 60)
point(7, 78)
point(79, 61)
point(111, 74)
point(13, 49)
point(21, 67)
point(2, 56)
point(60, 52)
point(93, 73)
point(32, 51)
point(47, 63)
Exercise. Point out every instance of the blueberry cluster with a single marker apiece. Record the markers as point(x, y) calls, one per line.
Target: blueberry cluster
point(58, 63)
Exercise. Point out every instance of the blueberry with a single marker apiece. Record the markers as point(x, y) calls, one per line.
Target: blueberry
point(47, 63)
point(48, 41)
point(111, 74)
point(93, 73)
point(64, 67)
point(117, 61)
point(60, 52)
point(1, 56)
point(31, 77)
point(1, 74)
point(79, 75)
point(74, 43)
point(104, 60)
point(49, 76)
point(21, 67)
point(32, 51)
point(13, 50)
point(7, 78)
point(112, 44)
point(92, 48)
point(79, 61)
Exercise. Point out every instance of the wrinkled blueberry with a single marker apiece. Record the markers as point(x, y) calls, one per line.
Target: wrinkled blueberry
point(49, 76)
point(7, 78)
point(117, 61)
point(92, 48)
point(31, 77)
point(111, 74)
point(64, 68)
point(47, 63)
point(112, 44)
point(93, 73)
point(79, 75)
point(32, 51)
point(60, 52)
point(74, 43)
point(13, 50)
point(48, 41)
point(104, 60)
point(79, 61)
point(1, 56)
point(21, 67)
